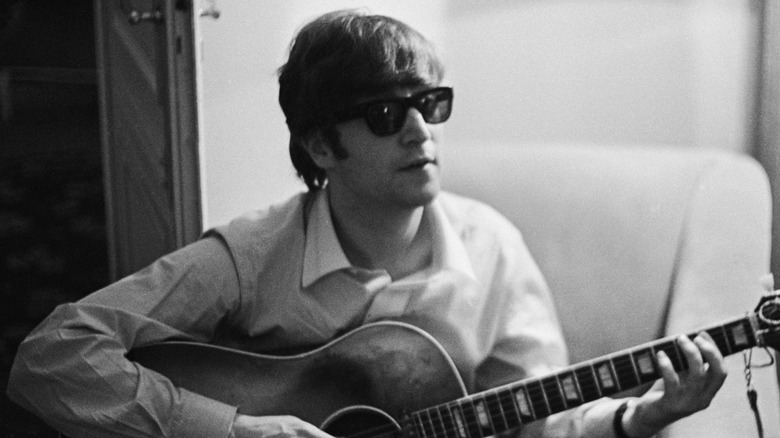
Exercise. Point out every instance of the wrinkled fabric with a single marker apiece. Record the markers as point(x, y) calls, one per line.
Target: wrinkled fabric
point(277, 280)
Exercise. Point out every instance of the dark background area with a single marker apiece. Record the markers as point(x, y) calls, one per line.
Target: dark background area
point(52, 224)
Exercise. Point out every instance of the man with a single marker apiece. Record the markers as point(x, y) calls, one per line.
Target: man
point(373, 239)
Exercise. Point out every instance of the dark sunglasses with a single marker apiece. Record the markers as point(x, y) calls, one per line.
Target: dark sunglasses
point(387, 116)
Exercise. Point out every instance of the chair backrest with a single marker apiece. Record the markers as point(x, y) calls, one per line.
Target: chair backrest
point(635, 243)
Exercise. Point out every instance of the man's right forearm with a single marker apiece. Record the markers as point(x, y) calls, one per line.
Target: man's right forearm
point(283, 426)
point(77, 378)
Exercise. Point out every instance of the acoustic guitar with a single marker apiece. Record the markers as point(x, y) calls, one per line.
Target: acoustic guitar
point(389, 379)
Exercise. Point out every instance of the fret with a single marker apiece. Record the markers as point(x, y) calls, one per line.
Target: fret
point(523, 405)
point(572, 394)
point(751, 336)
point(511, 416)
point(720, 336)
point(460, 421)
point(538, 399)
point(554, 395)
point(672, 350)
point(589, 388)
point(625, 371)
point(470, 416)
point(738, 336)
point(430, 423)
point(496, 412)
point(645, 365)
point(483, 418)
point(420, 426)
point(445, 419)
point(606, 377)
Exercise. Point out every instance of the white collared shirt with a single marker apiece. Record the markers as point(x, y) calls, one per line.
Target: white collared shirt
point(277, 280)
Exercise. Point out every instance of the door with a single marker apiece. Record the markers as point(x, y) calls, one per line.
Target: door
point(149, 128)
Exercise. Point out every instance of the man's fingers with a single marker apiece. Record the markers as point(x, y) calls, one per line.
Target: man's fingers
point(696, 366)
point(712, 356)
point(671, 379)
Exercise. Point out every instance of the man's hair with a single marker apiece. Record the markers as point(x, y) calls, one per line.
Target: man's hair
point(337, 59)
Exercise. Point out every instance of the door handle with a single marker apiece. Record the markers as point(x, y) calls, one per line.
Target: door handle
point(210, 11)
point(134, 16)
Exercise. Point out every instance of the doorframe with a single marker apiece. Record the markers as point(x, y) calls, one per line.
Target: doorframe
point(178, 17)
point(182, 98)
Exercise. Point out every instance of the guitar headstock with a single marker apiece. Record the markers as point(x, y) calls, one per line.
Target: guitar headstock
point(768, 318)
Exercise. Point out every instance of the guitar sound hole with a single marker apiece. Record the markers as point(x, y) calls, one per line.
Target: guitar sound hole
point(363, 421)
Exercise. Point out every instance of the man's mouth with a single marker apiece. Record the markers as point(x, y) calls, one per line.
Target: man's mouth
point(419, 164)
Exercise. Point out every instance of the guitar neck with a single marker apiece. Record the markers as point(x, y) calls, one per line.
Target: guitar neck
point(506, 407)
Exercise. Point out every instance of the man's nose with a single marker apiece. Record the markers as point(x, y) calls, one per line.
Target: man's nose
point(415, 127)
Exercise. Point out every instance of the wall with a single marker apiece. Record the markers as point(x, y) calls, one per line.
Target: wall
point(603, 71)
point(244, 137)
point(670, 72)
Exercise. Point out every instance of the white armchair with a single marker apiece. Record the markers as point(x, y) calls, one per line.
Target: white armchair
point(637, 244)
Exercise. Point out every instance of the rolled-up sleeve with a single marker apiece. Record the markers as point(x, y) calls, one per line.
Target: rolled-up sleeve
point(73, 371)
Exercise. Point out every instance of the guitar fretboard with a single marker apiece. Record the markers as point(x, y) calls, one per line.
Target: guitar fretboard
point(506, 407)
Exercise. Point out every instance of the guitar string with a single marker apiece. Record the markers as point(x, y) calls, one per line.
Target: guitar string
point(552, 385)
point(505, 401)
point(506, 397)
point(447, 423)
point(468, 425)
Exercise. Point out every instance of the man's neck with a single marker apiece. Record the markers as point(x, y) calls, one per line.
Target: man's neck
point(398, 240)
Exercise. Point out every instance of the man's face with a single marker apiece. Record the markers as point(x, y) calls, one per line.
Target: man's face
point(399, 171)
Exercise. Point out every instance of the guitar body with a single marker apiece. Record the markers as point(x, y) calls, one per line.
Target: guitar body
point(368, 378)
point(392, 379)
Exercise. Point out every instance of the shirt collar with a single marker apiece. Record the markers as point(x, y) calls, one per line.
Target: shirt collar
point(449, 253)
point(323, 253)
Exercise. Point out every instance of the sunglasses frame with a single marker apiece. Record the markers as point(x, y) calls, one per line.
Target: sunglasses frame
point(362, 110)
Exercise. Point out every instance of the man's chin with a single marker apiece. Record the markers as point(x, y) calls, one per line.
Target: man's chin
point(424, 197)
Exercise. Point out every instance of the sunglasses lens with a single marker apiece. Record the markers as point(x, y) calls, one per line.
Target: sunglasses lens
point(436, 106)
point(385, 118)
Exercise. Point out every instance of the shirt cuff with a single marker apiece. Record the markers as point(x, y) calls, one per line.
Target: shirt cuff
point(204, 417)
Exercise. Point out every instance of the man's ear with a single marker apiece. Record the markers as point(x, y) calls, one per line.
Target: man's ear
point(320, 151)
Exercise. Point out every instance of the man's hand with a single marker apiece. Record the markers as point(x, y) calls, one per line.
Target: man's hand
point(678, 395)
point(245, 426)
